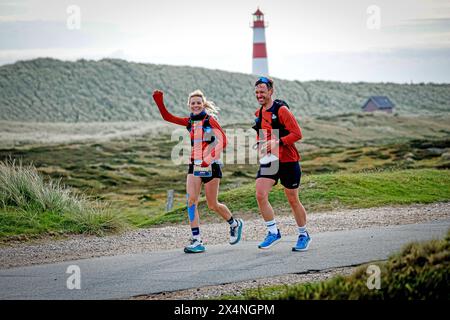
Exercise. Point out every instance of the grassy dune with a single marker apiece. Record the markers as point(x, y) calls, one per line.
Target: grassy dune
point(49, 90)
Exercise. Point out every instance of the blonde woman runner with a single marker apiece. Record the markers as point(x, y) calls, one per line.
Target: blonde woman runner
point(207, 141)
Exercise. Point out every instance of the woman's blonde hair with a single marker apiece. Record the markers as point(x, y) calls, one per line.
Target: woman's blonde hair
point(210, 107)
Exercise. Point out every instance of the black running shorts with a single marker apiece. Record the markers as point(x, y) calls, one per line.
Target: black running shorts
point(216, 172)
point(289, 173)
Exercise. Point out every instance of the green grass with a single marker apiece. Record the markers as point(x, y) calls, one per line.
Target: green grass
point(110, 171)
point(23, 225)
point(336, 191)
point(421, 271)
point(413, 154)
point(365, 190)
point(355, 190)
point(31, 206)
point(136, 172)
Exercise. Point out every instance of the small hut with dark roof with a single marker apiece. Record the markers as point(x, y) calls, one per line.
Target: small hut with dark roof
point(378, 103)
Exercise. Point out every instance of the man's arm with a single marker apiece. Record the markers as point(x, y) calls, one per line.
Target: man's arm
point(291, 124)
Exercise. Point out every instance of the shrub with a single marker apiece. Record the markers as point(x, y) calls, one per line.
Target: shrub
point(30, 203)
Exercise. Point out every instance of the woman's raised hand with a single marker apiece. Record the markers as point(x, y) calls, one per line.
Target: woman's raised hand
point(158, 96)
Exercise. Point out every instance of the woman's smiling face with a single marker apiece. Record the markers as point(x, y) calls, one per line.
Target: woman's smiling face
point(196, 104)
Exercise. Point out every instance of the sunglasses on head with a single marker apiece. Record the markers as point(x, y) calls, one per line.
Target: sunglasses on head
point(265, 80)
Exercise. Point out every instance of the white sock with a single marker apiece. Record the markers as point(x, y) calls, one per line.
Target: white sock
point(302, 230)
point(272, 226)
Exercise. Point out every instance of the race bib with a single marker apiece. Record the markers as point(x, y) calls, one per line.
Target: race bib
point(200, 171)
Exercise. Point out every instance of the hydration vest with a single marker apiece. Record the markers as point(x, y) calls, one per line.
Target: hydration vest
point(277, 104)
point(208, 135)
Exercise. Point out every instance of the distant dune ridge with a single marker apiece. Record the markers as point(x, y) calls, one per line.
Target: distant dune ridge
point(111, 90)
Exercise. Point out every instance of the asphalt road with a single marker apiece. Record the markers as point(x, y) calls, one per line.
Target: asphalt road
point(124, 276)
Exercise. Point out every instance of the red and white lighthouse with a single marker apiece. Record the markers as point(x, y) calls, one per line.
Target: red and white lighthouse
point(260, 64)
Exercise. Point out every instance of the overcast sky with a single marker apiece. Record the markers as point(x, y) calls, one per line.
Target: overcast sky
point(306, 40)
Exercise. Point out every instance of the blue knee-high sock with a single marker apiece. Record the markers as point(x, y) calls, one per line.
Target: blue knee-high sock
point(190, 209)
point(191, 212)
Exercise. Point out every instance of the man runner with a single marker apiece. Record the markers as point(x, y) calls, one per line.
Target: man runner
point(278, 130)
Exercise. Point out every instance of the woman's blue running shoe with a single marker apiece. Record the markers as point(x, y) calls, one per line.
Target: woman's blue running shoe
point(196, 246)
point(236, 232)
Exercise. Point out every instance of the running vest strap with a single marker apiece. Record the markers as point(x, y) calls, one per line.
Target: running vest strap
point(277, 104)
point(208, 135)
